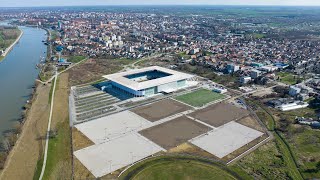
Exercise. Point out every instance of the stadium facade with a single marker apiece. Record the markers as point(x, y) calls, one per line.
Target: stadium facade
point(149, 81)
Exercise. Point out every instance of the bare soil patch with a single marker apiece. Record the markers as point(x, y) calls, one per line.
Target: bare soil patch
point(161, 109)
point(80, 171)
point(175, 132)
point(251, 123)
point(94, 69)
point(79, 140)
point(219, 114)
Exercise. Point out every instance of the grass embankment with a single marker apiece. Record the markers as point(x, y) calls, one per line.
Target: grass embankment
point(276, 161)
point(200, 97)
point(288, 78)
point(178, 168)
point(59, 152)
point(1, 58)
point(303, 140)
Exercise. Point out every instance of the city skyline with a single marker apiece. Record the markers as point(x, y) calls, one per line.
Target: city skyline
point(39, 3)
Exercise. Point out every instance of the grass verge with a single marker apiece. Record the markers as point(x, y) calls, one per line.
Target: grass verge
point(281, 144)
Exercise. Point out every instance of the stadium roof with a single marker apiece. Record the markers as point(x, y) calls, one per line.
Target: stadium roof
point(121, 79)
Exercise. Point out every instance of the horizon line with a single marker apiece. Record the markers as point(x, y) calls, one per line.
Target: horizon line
point(115, 5)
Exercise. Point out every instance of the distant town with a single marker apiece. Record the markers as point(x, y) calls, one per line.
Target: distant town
point(243, 78)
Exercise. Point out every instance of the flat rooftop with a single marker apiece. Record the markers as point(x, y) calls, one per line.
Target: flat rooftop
point(122, 78)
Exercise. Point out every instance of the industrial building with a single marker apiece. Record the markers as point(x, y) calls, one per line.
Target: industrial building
point(149, 81)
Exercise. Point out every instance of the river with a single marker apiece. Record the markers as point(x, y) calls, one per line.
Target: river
point(18, 74)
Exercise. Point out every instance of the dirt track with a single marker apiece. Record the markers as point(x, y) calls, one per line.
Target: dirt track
point(161, 109)
point(23, 158)
point(175, 132)
point(219, 114)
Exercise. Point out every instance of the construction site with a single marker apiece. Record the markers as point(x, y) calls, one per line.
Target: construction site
point(124, 129)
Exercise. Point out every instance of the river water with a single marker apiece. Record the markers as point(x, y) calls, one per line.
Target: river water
point(18, 74)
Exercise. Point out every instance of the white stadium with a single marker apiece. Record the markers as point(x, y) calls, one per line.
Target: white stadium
point(149, 81)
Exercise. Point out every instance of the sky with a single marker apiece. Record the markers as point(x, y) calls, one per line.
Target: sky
point(37, 3)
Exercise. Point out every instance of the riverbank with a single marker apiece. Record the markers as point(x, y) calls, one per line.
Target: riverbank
point(5, 53)
point(18, 75)
point(22, 160)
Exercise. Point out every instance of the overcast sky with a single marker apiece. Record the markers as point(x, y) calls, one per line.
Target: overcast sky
point(28, 3)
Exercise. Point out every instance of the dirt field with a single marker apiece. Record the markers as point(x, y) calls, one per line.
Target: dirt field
point(94, 69)
point(80, 171)
point(251, 123)
point(21, 163)
point(79, 140)
point(161, 109)
point(175, 132)
point(219, 114)
point(188, 148)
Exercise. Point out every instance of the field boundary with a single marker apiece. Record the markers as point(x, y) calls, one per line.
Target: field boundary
point(180, 156)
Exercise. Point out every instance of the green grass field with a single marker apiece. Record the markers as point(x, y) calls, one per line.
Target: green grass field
point(178, 168)
point(75, 59)
point(59, 159)
point(200, 97)
point(287, 165)
point(288, 78)
point(304, 142)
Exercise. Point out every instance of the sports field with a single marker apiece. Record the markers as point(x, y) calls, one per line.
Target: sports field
point(200, 97)
point(177, 168)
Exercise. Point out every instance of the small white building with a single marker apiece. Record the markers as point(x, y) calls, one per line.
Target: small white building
point(245, 79)
point(293, 106)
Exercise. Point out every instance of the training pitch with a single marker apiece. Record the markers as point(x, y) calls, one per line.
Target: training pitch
point(161, 109)
point(200, 97)
point(219, 114)
point(175, 132)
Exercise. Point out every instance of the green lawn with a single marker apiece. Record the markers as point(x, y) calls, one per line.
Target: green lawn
point(284, 151)
point(288, 78)
point(178, 168)
point(266, 162)
point(304, 142)
point(75, 59)
point(1, 58)
point(200, 97)
point(59, 160)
